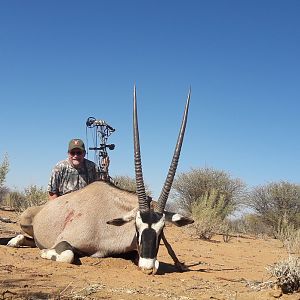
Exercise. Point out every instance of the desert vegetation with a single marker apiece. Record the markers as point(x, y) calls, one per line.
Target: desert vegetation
point(4, 168)
point(128, 183)
point(19, 200)
point(211, 196)
point(214, 199)
point(287, 274)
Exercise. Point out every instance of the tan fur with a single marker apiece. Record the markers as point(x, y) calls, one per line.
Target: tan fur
point(26, 219)
point(80, 219)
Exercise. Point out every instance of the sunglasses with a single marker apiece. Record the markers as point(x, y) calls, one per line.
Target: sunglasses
point(73, 153)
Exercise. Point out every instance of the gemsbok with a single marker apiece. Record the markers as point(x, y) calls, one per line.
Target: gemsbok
point(102, 219)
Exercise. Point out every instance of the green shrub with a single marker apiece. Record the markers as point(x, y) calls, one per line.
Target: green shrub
point(32, 196)
point(289, 235)
point(292, 242)
point(226, 230)
point(4, 168)
point(14, 199)
point(209, 214)
point(127, 183)
point(189, 187)
point(252, 224)
point(35, 196)
point(277, 204)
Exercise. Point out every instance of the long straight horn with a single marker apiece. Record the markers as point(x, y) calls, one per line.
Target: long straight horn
point(162, 200)
point(144, 204)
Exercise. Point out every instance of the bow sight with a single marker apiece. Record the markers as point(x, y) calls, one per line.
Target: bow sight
point(101, 131)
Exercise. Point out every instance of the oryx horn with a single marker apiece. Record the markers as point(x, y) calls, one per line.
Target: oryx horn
point(162, 200)
point(144, 204)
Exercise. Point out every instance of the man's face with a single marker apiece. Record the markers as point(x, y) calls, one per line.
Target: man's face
point(76, 157)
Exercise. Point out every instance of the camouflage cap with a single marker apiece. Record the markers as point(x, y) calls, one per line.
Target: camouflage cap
point(76, 144)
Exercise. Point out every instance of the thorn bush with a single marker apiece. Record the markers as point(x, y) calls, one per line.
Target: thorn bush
point(287, 274)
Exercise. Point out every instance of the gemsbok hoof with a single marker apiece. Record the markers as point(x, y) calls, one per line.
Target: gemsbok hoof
point(66, 256)
point(17, 241)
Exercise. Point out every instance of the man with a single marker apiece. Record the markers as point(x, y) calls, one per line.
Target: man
point(73, 173)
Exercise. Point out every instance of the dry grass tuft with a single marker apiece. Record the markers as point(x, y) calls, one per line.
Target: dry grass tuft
point(287, 274)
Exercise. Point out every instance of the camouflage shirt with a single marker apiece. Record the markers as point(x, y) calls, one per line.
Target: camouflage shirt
point(65, 178)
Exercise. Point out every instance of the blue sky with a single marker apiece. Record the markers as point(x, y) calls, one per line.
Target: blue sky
point(63, 61)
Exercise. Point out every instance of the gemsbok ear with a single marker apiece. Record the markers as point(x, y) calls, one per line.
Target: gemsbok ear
point(178, 219)
point(118, 221)
point(123, 220)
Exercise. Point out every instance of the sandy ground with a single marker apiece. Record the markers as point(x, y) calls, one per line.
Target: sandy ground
point(217, 270)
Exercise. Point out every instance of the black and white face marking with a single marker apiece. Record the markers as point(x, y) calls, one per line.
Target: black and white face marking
point(149, 227)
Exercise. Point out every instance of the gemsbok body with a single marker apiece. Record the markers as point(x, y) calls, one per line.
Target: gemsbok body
point(102, 219)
